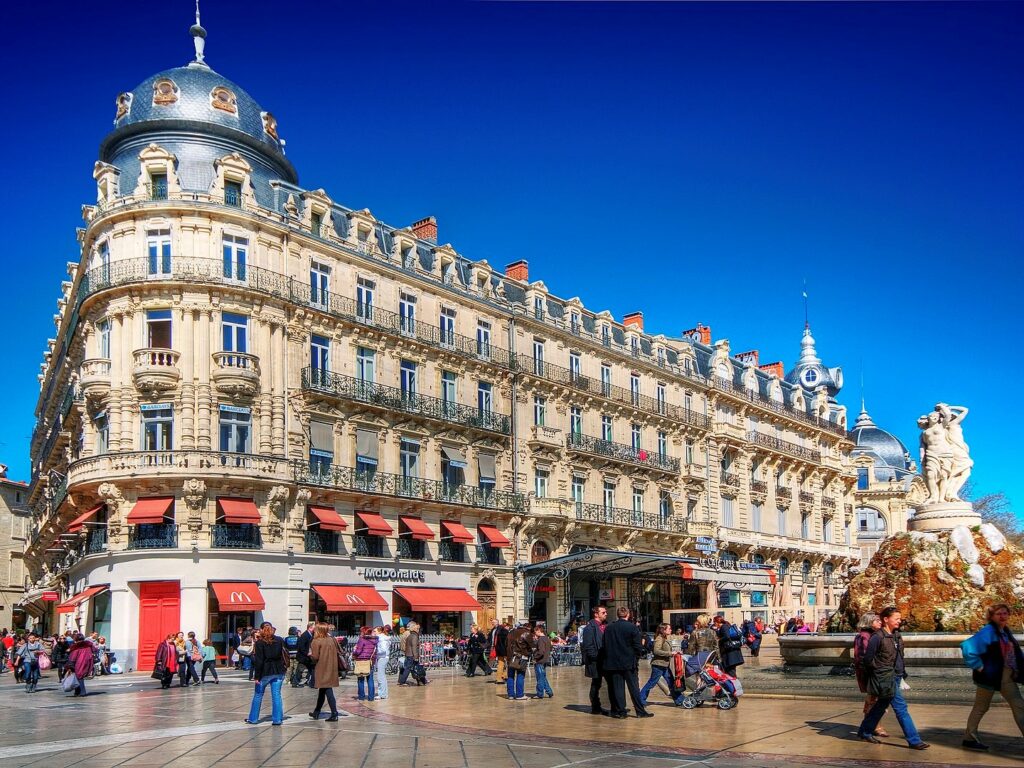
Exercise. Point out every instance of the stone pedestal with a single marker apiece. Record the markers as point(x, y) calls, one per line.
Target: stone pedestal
point(944, 516)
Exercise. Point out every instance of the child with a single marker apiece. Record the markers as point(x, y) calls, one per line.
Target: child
point(209, 661)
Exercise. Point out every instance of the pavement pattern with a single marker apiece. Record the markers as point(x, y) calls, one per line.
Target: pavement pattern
point(461, 723)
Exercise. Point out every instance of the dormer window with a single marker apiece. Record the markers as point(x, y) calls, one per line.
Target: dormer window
point(233, 193)
point(634, 346)
point(164, 92)
point(575, 324)
point(538, 307)
point(157, 186)
point(124, 105)
point(407, 254)
point(316, 222)
point(606, 335)
point(223, 99)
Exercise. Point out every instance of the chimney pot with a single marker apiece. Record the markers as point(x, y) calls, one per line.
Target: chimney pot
point(635, 319)
point(701, 333)
point(426, 229)
point(518, 270)
point(776, 368)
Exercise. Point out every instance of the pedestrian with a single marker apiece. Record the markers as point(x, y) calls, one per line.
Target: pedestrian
point(363, 656)
point(235, 640)
point(80, 662)
point(209, 658)
point(323, 651)
point(703, 640)
point(661, 665)
point(269, 662)
point(303, 661)
point(476, 646)
point(623, 648)
point(497, 643)
point(541, 662)
point(869, 624)
point(380, 666)
point(730, 645)
point(193, 656)
point(411, 649)
point(59, 655)
point(592, 651)
point(245, 650)
point(753, 631)
point(518, 657)
point(995, 657)
point(883, 660)
point(29, 655)
point(166, 661)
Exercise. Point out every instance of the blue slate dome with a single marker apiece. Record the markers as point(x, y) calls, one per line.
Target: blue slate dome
point(885, 449)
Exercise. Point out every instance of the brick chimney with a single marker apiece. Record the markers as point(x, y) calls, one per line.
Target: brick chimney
point(777, 368)
point(752, 357)
point(701, 333)
point(426, 229)
point(635, 319)
point(518, 270)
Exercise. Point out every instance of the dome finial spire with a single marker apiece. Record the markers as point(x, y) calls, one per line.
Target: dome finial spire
point(807, 322)
point(198, 39)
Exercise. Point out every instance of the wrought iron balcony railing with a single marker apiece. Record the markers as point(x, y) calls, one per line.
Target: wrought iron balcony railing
point(730, 479)
point(384, 484)
point(829, 502)
point(781, 492)
point(452, 552)
point(620, 452)
point(411, 549)
point(392, 399)
point(485, 553)
point(95, 541)
point(627, 518)
point(758, 486)
point(232, 536)
point(323, 542)
point(806, 497)
point(777, 444)
point(153, 536)
point(368, 546)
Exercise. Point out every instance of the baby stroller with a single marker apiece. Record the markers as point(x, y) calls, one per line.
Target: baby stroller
point(709, 683)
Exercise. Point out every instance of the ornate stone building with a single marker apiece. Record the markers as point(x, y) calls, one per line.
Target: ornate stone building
point(260, 402)
point(15, 523)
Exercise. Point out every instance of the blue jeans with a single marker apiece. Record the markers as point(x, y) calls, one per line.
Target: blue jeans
point(899, 708)
point(368, 680)
point(657, 673)
point(30, 671)
point(543, 686)
point(277, 705)
point(516, 683)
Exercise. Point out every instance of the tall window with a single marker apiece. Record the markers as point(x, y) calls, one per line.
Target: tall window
point(576, 421)
point(366, 363)
point(606, 335)
point(316, 223)
point(447, 326)
point(102, 426)
point(661, 398)
point(538, 357)
point(783, 566)
point(662, 445)
point(485, 397)
point(781, 522)
point(234, 332)
point(862, 478)
point(606, 379)
point(606, 428)
point(448, 392)
point(319, 285)
point(688, 451)
point(826, 530)
point(577, 488)
point(235, 429)
point(540, 483)
point(728, 515)
point(574, 366)
point(609, 494)
point(233, 193)
point(638, 500)
point(574, 322)
point(158, 244)
point(634, 388)
point(409, 459)
point(407, 313)
point(540, 408)
point(103, 337)
point(158, 329)
point(483, 338)
point(755, 517)
point(236, 251)
point(634, 436)
point(319, 356)
point(805, 526)
point(157, 427)
point(408, 380)
point(104, 265)
point(664, 505)
point(158, 186)
point(634, 346)
point(364, 299)
point(538, 307)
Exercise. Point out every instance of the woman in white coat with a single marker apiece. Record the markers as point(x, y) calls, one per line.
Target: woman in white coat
point(380, 666)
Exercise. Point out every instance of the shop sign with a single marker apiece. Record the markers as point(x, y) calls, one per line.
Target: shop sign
point(49, 597)
point(707, 541)
point(544, 589)
point(606, 594)
point(718, 564)
point(394, 574)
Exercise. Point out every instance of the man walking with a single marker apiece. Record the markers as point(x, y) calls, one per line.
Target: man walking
point(541, 662)
point(497, 647)
point(623, 648)
point(883, 662)
point(411, 648)
point(302, 656)
point(475, 646)
point(234, 659)
point(592, 650)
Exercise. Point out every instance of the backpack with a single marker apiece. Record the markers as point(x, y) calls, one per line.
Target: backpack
point(732, 633)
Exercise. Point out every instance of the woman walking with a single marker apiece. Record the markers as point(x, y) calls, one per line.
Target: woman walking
point(80, 661)
point(661, 664)
point(363, 657)
point(324, 653)
point(995, 656)
point(269, 663)
point(59, 655)
point(380, 666)
point(193, 656)
point(29, 655)
point(166, 661)
point(209, 661)
point(869, 624)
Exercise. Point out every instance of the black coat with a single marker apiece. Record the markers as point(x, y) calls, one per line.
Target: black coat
point(623, 646)
point(302, 648)
point(592, 648)
point(268, 658)
point(731, 651)
point(498, 640)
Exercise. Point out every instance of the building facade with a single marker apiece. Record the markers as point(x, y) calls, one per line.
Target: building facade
point(262, 403)
point(15, 525)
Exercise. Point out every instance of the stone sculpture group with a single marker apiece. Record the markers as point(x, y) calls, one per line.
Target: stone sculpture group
point(945, 458)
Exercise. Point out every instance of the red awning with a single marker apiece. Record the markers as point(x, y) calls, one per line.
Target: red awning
point(344, 598)
point(151, 510)
point(458, 532)
point(329, 518)
point(376, 524)
point(76, 525)
point(417, 528)
point(238, 510)
point(233, 596)
point(69, 605)
point(494, 537)
point(433, 599)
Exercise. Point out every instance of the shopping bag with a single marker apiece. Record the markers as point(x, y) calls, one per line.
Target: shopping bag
point(70, 682)
point(44, 661)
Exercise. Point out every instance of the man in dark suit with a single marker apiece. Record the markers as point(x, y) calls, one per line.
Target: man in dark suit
point(592, 649)
point(497, 648)
point(623, 648)
point(302, 655)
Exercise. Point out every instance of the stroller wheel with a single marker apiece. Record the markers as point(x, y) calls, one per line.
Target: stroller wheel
point(725, 703)
point(688, 702)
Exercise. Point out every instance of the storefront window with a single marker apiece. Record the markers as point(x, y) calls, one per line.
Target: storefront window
point(344, 622)
point(758, 598)
point(729, 598)
point(101, 614)
point(223, 624)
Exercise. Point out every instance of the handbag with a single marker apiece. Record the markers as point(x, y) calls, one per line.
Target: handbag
point(70, 682)
point(882, 683)
point(518, 662)
point(363, 667)
point(44, 661)
point(245, 649)
point(158, 673)
point(197, 655)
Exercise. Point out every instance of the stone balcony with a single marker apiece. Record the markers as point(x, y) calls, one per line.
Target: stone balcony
point(236, 374)
point(773, 543)
point(545, 437)
point(188, 463)
point(95, 379)
point(156, 370)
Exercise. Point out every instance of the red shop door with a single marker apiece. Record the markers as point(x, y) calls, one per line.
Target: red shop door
point(159, 615)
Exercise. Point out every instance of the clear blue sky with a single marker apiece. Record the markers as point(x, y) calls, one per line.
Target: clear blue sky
point(694, 161)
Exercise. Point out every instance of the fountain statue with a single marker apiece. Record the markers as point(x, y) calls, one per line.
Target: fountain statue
point(945, 466)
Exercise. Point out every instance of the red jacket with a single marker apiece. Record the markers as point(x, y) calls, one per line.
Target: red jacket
point(167, 657)
point(80, 659)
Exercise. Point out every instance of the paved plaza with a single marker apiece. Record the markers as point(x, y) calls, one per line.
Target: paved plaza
point(457, 722)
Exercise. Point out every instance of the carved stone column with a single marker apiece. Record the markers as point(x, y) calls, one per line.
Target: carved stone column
point(279, 348)
point(188, 389)
point(204, 394)
point(277, 508)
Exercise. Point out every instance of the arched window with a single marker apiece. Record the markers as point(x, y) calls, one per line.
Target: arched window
point(540, 552)
point(805, 568)
point(730, 557)
point(829, 572)
point(758, 559)
point(783, 566)
point(870, 521)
